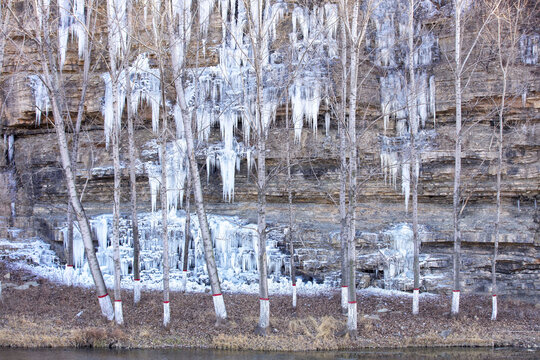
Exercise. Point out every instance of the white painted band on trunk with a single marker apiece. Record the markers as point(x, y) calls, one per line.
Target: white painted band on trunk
point(294, 296)
point(344, 297)
point(352, 317)
point(166, 314)
point(494, 308)
point(219, 306)
point(264, 319)
point(415, 301)
point(184, 281)
point(106, 307)
point(68, 275)
point(118, 315)
point(136, 291)
point(455, 302)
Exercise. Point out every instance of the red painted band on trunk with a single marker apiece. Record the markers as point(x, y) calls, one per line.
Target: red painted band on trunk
point(352, 302)
point(494, 295)
point(185, 270)
point(117, 300)
point(455, 290)
point(136, 279)
point(416, 289)
point(69, 265)
point(166, 302)
point(267, 299)
point(293, 284)
point(102, 296)
point(344, 286)
point(216, 295)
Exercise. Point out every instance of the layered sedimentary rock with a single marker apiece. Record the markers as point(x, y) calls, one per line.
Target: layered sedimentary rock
point(33, 195)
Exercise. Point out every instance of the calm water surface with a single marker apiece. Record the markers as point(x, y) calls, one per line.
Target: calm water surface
point(437, 353)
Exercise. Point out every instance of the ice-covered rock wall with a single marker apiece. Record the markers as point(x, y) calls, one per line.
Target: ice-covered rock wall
point(390, 52)
point(235, 249)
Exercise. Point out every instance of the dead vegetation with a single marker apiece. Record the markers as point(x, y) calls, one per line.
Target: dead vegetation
point(54, 316)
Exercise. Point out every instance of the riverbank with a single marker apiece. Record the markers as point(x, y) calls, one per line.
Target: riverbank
point(38, 313)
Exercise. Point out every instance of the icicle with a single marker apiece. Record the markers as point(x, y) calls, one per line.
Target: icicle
point(406, 182)
point(64, 23)
point(41, 97)
point(529, 48)
point(154, 178)
point(10, 147)
point(79, 26)
point(432, 98)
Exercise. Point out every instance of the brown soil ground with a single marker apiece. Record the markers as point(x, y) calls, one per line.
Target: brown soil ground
point(58, 316)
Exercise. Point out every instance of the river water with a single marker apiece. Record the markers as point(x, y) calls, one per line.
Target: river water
point(185, 354)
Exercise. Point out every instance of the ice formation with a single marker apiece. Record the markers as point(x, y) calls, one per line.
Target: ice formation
point(71, 20)
point(398, 267)
point(391, 53)
point(145, 88)
point(235, 248)
point(42, 102)
point(314, 45)
point(529, 48)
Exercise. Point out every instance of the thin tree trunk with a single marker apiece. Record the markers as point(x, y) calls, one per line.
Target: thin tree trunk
point(264, 316)
point(69, 271)
point(352, 324)
point(457, 155)
point(414, 159)
point(343, 176)
point(76, 133)
point(116, 212)
point(290, 199)
point(187, 233)
point(57, 101)
point(499, 173)
point(132, 153)
point(164, 220)
point(219, 304)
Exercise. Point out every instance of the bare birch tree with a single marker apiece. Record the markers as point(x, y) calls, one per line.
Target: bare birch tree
point(178, 43)
point(355, 19)
point(52, 79)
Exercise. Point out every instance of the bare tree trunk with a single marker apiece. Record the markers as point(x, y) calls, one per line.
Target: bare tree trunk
point(457, 155)
point(219, 304)
point(164, 219)
point(343, 176)
point(69, 271)
point(119, 318)
point(76, 133)
point(187, 233)
point(50, 76)
point(352, 324)
point(504, 69)
point(133, 184)
point(414, 159)
point(290, 235)
point(264, 316)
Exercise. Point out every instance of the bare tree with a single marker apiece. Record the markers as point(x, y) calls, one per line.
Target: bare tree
point(460, 6)
point(178, 43)
point(510, 19)
point(413, 119)
point(355, 19)
point(52, 79)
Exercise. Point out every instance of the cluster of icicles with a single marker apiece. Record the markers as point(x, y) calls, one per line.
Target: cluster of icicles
point(391, 53)
point(235, 248)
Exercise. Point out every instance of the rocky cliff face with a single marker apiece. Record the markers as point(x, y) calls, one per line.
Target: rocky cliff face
point(33, 195)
